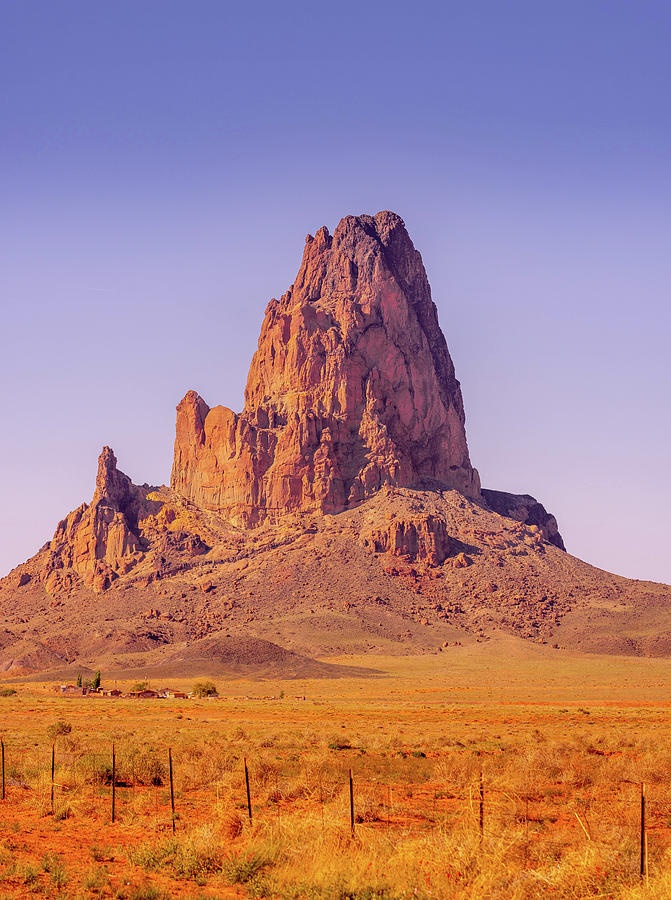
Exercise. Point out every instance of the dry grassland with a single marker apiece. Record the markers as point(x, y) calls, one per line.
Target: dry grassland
point(563, 744)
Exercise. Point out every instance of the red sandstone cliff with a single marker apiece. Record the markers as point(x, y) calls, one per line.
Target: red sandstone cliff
point(352, 387)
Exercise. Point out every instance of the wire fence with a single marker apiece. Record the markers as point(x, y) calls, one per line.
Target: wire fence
point(345, 797)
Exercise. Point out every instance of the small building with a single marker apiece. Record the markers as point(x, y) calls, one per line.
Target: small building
point(73, 690)
point(113, 692)
point(171, 694)
point(146, 694)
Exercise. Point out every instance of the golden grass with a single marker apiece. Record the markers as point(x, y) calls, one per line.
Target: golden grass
point(562, 743)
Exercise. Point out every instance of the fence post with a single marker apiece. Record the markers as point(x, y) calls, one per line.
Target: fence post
point(643, 837)
point(172, 789)
point(321, 800)
point(2, 744)
point(526, 829)
point(53, 767)
point(113, 783)
point(249, 796)
point(351, 802)
point(482, 806)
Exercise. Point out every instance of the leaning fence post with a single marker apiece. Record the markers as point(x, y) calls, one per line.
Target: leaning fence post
point(351, 802)
point(53, 767)
point(249, 796)
point(113, 782)
point(172, 789)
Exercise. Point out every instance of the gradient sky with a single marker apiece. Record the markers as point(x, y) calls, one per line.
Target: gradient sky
point(161, 163)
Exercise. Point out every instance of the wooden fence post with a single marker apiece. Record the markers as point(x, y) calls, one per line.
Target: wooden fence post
point(249, 796)
point(172, 789)
point(113, 783)
point(526, 819)
point(321, 800)
point(2, 744)
point(644, 842)
point(351, 802)
point(482, 806)
point(53, 767)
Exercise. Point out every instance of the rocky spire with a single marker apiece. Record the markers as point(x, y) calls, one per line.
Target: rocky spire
point(111, 484)
point(97, 542)
point(352, 387)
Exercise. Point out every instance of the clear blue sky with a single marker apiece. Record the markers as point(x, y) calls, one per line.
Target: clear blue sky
point(161, 163)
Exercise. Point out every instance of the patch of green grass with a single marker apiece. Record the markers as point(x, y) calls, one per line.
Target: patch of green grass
point(29, 874)
point(59, 876)
point(50, 861)
point(244, 867)
point(58, 729)
point(194, 856)
point(151, 856)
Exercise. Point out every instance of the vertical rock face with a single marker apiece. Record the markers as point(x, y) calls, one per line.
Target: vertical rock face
point(352, 387)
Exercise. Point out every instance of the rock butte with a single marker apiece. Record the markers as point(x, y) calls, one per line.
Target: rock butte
point(351, 389)
point(338, 510)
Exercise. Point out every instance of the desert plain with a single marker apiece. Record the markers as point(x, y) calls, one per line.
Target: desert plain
point(504, 769)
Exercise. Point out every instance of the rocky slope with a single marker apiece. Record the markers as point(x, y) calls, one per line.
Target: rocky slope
point(405, 571)
point(338, 512)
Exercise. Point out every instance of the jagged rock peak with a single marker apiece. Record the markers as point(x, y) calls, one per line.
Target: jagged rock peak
point(111, 484)
point(352, 387)
point(98, 542)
